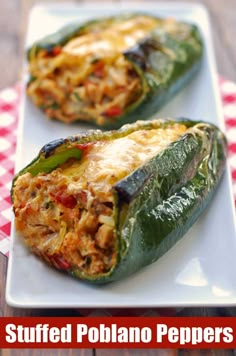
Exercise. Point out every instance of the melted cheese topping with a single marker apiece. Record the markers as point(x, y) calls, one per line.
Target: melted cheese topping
point(117, 38)
point(109, 161)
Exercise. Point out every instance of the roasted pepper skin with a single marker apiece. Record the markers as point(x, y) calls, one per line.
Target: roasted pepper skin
point(164, 62)
point(161, 80)
point(157, 203)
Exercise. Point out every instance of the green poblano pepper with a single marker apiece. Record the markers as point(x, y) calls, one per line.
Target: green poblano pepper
point(162, 61)
point(156, 203)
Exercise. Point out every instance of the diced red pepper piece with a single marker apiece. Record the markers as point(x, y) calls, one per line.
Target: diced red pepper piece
point(61, 262)
point(113, 111)
point(84, 147)
point(67, 200)
point(56, 50)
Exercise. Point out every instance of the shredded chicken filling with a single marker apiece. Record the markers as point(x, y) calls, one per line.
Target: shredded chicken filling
point(89, 77)
point(103, 93)
point(67, 216)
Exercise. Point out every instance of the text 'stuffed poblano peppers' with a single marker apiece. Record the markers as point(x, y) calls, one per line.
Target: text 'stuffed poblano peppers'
point(102, 205)
point(112, 70)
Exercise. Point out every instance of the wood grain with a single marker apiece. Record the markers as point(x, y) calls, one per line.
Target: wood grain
point(13, 22)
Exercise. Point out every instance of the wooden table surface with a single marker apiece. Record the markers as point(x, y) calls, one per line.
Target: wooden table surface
point(13, 20)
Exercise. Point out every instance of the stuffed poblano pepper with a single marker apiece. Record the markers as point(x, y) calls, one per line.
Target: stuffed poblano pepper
point(102, 205)
point(112, 70)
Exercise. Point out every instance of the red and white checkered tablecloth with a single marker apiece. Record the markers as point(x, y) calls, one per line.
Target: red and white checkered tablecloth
point(9, 105)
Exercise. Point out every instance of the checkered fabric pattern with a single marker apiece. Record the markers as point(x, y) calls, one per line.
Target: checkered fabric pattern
point(9, 107)
point(228, 94)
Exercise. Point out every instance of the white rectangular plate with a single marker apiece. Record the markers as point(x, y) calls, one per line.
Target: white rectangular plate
point(200, 269)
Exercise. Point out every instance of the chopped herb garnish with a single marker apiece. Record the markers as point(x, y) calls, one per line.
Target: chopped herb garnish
point(49, 204)
point(42, 106)
point(95, 60)
point(32, 79)
point(77, 97)
point(53, 105)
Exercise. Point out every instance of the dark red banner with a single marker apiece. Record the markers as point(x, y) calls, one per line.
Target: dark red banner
point(118, 332)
